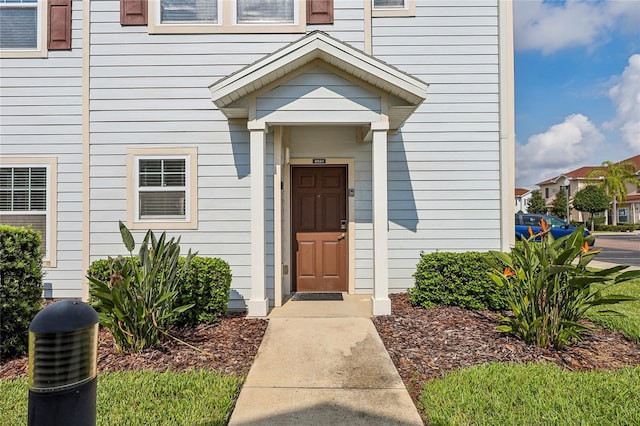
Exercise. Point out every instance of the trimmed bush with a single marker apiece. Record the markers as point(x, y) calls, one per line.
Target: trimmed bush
point(206, 285)
point(20, 286)
point(627, 227)
point(456, 279)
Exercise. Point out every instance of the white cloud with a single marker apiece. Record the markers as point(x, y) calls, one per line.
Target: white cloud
point(553, 26)
point(626, 98)
point(562, 148)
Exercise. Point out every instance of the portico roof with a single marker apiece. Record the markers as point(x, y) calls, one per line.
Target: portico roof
point(407, 92)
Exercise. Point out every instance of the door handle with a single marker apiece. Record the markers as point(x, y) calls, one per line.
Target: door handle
point(341, 236)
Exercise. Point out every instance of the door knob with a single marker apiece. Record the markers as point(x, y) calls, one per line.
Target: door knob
point(341, 236)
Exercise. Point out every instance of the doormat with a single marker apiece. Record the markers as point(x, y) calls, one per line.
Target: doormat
point(300, 297)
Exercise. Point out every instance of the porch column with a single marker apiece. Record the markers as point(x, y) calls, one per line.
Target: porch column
point(258, 303)
point(381, 304)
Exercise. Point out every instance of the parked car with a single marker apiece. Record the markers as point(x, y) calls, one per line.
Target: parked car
point(559, 228)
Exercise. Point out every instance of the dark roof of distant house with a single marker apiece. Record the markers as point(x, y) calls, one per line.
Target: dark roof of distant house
point(583, 172)
point(522, 191)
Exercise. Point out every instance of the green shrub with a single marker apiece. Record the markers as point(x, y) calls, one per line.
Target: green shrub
point(626, 227)
point(20, 286)
point(549, 287)
point(136, 302)
point(206, 285)
point(458, 279)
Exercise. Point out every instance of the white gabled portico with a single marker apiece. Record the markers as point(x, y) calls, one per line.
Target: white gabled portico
point(391, 97)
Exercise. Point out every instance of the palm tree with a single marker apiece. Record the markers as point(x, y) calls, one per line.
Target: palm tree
point(613, 178)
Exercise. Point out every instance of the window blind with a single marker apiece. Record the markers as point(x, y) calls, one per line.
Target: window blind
point(281, 11)
point(189, 11)
point(18, 25)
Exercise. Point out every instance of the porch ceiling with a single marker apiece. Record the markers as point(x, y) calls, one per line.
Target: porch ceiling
point(408, 92)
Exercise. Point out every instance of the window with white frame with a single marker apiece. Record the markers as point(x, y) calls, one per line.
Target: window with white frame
point(393, 8)
point(383, 4)
point(21, 25)
point(189, 11)
point(261, 11)
point(163, 188)
point(24, 199)
point(239, 16)
point(623, 215)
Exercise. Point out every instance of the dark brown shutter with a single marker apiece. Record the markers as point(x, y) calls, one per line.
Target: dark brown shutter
point(59, 25)
point(133, 12)
point(319, 11)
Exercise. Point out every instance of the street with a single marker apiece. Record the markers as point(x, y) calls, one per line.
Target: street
point(623, 248)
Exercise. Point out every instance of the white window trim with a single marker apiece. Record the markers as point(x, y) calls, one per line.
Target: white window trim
point(41, 50)
point(227, 22)
point(51, 165)
point(190, 221)
point(409, 9)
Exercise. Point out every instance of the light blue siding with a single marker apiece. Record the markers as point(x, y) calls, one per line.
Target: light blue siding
point(41, 116)
point(152, 91)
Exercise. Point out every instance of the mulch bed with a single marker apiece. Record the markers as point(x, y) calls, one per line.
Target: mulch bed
point(424, 344)
point(230, 345)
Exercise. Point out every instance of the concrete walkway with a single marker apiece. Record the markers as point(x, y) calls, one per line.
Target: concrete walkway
point(323, 363)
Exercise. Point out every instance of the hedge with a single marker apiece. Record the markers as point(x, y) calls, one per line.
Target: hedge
point(455, 279)
point(626, 227)
point(206, 284)
point(20, 286)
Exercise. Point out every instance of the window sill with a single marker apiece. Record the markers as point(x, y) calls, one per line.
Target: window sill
point(146, 225)
point(49, 263)
point(7, 54)
point(226, 29)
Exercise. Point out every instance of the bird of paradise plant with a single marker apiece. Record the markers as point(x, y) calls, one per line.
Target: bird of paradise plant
point(137, 302)
point(549, 286)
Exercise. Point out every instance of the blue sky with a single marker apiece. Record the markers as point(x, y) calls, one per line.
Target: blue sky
point(577, 85)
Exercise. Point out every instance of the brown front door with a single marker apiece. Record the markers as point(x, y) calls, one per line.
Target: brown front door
point(319, 218)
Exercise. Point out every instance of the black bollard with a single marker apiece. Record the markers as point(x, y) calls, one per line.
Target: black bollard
point(63, 346)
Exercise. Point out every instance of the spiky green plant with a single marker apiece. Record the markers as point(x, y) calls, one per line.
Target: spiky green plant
point(549, 287)
point(137, 302)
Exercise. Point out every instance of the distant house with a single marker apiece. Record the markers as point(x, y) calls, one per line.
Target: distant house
point(314, 145)
point(523, 195)
point(575, 180)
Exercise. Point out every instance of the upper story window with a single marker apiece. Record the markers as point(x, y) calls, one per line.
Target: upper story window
point(27, 194)
point(228, 16)
point(22, 27)
point(189, 11)
point(31, 28)
point(383, 4)
point(393, 8)
point(259, 11)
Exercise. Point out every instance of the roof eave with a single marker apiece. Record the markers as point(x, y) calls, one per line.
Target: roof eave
point(318, 45)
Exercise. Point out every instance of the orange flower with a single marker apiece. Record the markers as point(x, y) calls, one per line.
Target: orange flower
point(508, 272)
point(585, 248)
point(530, 232)
point(543, 225)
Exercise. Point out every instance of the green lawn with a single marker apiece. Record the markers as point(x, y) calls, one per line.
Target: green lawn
point(629, 324)
point(144, 398)
point(537, 394)
point(533, 394)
